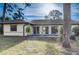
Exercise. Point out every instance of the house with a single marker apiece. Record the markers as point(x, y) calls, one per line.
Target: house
point(14, 28)
point(39, 27)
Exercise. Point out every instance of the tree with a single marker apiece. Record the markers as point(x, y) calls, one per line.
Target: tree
point(67, 25)
point(6, 19)
point(9, 8)
point(13, 7)
point(54, 14)
point(19, 12)
point(1, 19)
point(46, 17)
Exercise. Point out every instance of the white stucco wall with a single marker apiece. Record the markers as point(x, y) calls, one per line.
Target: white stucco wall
point(19, 31)
point(42, 26)
point(74, 26)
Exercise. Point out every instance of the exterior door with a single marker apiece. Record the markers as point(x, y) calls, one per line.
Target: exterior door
point(35, 30)
point(45, 30)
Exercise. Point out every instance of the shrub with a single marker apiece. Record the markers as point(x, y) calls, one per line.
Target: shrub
point(61, 33)
point(54, 30)
point(28, 29)
point(61, 30)
point(76, 30)
point(72, 37)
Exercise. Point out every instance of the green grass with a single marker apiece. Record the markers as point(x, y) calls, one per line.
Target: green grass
point(13, 46)
point(7, 42)
point(77, 42)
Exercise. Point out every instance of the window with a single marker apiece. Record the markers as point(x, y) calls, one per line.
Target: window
point(13, 27)
point(54, 30)
point(36, 30)
point(45, 30)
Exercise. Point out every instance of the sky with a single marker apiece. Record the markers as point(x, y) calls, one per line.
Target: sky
point(39, 10)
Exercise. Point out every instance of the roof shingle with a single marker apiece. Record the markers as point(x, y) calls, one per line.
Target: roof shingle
point(51, 22)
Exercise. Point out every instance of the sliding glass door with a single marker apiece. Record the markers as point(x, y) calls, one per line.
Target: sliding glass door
point(54, 30)
point(35, 30)
point(45, 30)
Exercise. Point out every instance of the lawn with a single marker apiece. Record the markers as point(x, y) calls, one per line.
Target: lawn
point(18, 46)
point(76, 42)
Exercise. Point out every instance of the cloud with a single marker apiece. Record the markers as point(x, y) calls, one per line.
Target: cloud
point(41, 9)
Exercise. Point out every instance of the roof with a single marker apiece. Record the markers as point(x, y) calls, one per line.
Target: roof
point(52, 22)
point(15, 22)
point(40, 22)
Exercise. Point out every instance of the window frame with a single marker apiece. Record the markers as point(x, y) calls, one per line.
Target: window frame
point(52, 31)
point(13, 28)
point(45, 30)
point(36, 30)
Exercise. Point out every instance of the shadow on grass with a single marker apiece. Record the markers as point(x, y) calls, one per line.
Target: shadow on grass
point(7, 42)
point(49, 40)
point(52, 50)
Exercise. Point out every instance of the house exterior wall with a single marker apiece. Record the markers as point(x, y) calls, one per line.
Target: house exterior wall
point(74, 26)
point(59, 28)
point(19, 32)
point(8, 32)
point(41, 32)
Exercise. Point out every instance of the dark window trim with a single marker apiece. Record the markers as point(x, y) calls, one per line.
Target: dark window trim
point(52, 29)
point(36, 30)
point(46, 30)
point(13, 29)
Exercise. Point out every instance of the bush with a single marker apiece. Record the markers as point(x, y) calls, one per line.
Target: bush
point(61, 33)
point(54, 30)
point(61, 30)
point(72, 37)
point(28, 29)
point(76, 31)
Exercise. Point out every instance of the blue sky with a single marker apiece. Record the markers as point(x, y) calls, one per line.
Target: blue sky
point(39, 10)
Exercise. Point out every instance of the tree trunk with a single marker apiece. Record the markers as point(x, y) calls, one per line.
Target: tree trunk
point(67, 25)
point(4, 12)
